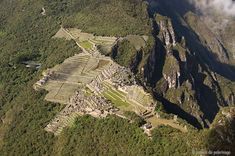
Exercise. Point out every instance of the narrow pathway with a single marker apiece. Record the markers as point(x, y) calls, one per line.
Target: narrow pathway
point(160, 121)
point(74, 38)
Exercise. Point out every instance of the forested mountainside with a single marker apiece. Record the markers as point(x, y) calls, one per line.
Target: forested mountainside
point(187, 66)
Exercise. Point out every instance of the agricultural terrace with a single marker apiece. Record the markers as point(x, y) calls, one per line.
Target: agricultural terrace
point(86, 41)
point(91, 83)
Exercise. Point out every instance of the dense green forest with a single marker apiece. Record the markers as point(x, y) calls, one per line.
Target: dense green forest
point(103, 17)
point(125, 53)
point(115, 136)
point(26, 35)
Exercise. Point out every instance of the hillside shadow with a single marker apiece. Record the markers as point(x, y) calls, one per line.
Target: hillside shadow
point(176, 10)
point(154, 69)
point(172, 108)
point(207, 98)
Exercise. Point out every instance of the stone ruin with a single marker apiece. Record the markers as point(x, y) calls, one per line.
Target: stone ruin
point(80, 104)
point(46, 75)
point(89, 99)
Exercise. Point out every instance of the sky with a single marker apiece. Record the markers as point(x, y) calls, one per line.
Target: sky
point(226, 7)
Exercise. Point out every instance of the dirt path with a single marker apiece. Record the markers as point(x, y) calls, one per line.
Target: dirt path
point(67, 32)
point(160, 121)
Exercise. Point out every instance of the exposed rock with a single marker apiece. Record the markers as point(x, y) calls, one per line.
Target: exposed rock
point(171, 72)
point(209, 39)
point(180, 77)
point(166, 31)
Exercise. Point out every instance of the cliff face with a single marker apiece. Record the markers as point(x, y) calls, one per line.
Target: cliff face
point(166, 31)
point(172, 63)
point(207, 38)
point(178, 77)
point(171, 68)
point(185, 67)
point(222, 27)
point(227, 37)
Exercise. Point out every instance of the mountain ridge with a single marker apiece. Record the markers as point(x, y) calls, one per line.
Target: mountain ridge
point(177, 66)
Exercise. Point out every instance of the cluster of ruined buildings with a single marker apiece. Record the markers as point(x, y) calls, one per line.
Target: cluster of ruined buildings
point(46, 76)
point(81, 104)
point(94, 105)
point(124, 77)
point(96, 84)
point(85, 101)
point(117, 75)
point(89, 99)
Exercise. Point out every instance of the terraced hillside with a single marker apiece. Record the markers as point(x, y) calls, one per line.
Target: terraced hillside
point(90, 83)
point(26, 30)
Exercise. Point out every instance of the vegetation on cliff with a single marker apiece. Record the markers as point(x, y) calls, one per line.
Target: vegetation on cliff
point(26, 35)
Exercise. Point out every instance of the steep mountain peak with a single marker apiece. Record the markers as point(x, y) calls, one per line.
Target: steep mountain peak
point(207, 37)
point(164, 62)
point(166, 30)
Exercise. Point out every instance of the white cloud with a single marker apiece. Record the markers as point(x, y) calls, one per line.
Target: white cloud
point(222, 6)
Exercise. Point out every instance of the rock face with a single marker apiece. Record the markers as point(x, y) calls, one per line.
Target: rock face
point(175, 83)
point(185, 67)
point(171, 72)
point(171, 68)
point(222, 27)
point(177, 76)
point(166, 31)
point(209, 39)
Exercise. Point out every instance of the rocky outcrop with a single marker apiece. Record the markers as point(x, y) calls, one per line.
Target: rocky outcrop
point(171, 69)
point(178, 77)
point(166, 31)
point(171, 72)
point(181, 69)
point(207, 37)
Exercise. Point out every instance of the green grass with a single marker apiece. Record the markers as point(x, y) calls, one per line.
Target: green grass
point(86, 45)
point(120, 93)
point(136, 40)
point(116, 99)
point(109, 86)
